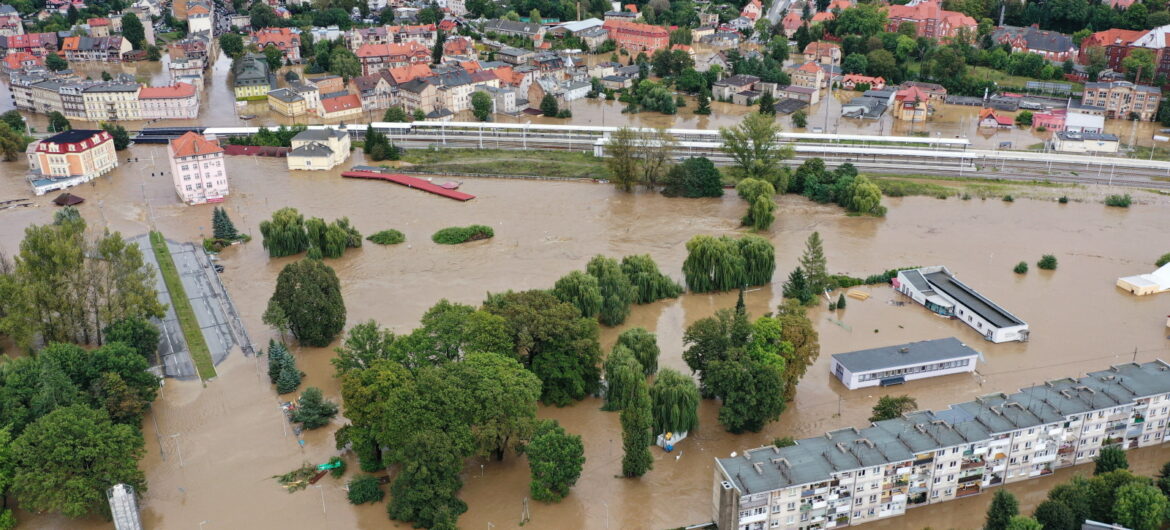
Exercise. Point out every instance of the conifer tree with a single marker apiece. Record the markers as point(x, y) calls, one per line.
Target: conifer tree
point(290, 377)
point(314, 411)
point(222, 225)
point(814, 264)
point(276, 354)
point(841, 301)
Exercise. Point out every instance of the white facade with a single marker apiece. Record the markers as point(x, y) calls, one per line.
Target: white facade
point(853, 476)
point(893, 365)
point(938, 290)
point(197, 169)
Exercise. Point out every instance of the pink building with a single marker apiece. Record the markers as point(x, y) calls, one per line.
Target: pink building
point(1052, 121)
point(198, 170)
point(179, 101)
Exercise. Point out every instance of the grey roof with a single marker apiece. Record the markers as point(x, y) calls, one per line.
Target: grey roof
point(517, 52)
point(319, 135)
point(1122, 84)
point(415, 85)
point(789, 105)
point(113, 87)
point(285, 95)
point(508, 26)
point(904, 354)
point(455, 78)
point(313, 150)
point(1087, 136)
point(1035, 38)
point(902, 439)
point(948, 285)
point(6, 9)
point(738, 80)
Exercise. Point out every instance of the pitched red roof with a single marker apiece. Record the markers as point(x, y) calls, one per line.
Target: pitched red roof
point(340, 103)
point(177, 90)
point(193, 143)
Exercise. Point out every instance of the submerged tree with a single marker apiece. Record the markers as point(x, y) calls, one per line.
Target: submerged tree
point(313, 410)
point(674, 402)
point(623, 376)
point(276, 354)
point(222, 226)
point(581, 290)
point(617, 293)
point(555, 459)
point(309, 294)
point(713, 264)
point(890, 407)
point(759, 259)
point(1003, 507)
point(284, 234)
point(651, 285)
point(637, 422)
point(643, 345)
point(814, 264)
point(753, 146)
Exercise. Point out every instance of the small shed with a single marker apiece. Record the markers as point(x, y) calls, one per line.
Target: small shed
point(68, 199)
point(1143, 284)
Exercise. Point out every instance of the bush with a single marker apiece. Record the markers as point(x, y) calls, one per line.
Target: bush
point(338, 471)
point(1021, 268)
point(1163, 260)
point(365, 488)
point(1120, 201)
point(1063, 199)
point(455, 235)
point(1009, 198)
point(387, 237)
point(1047, 262)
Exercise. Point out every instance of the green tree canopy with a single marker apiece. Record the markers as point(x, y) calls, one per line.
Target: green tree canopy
point(649, 283)
point(752, 145)
point(643, 345)
point(1140, 507)
point(232, 44)
point(890, 407)
point(1003, 508)
point(617, 293)
point(66, 460)
point(481, 106)
point(674, 402)
point(136, 332)
point(581, 290)
point(623, 376)
point(693, 178)
point(555, 459)
point(1056, 515)
point(133, 31)
point(309, 293)
point(1111, 458)
point(552, 339)
point(636, 422)
point(313, 410)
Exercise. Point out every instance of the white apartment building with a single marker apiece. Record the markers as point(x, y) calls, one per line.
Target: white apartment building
point(852, 476)
point(938, 290)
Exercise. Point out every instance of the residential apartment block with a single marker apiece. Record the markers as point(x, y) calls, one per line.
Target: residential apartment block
point(10, 23)
point(197, 169)
point(853, 476)
point(378, 57)
point(179, 101)
point(1121, 99)
point(251, 78)
point(283, 39)
point(70, 158)
point(1051, 45)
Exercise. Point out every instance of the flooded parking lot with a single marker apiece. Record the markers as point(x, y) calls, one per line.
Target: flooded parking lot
point(232, 438)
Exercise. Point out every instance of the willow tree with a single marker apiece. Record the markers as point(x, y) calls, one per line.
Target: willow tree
point(760, 214)
point(284, 234)
point(644, 346)
point(759, 259)
point(617, 293)
point(581, 290)
point(674, 401)
point(623, 376)
point(650, 283)
point(713, 264)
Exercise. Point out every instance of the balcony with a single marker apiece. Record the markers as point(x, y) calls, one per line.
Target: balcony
point(968, 490)
point(970, 464)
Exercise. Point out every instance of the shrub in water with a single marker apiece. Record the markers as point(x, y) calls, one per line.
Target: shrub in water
point(1008, 198)
point(1047, 262)
point(462, 234)
point(1021, 268)
point(387, 237)
point(1063, 200)
point(365, 488)
point(1120, 201)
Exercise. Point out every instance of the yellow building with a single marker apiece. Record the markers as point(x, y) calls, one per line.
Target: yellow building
point(251, 79)
point(112, 102)
point(287, 102)
point(318, 149)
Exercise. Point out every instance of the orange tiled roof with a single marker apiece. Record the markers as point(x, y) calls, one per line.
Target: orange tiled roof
point(340, 103)
point(177, 90)
point(193, 143)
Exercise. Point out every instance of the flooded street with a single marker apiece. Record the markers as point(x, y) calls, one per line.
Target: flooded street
point(212, 451)
point(218, 108)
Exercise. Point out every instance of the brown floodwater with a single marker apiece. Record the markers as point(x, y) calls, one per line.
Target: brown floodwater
point(211, 451)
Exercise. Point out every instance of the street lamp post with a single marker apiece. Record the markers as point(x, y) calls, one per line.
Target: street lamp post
point(178, 448)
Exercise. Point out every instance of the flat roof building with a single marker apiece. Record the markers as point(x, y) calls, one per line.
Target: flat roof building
point(938, 290)
point(852, 476)
point(893, 365)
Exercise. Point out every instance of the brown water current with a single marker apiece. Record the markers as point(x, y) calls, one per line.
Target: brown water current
point(212, 450)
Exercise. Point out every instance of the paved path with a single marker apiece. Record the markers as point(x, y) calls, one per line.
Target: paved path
point(213, 310)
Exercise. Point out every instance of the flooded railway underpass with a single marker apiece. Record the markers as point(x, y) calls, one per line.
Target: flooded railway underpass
point(211, 452)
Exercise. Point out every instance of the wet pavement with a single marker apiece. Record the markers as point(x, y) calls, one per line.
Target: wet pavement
point(232, 437)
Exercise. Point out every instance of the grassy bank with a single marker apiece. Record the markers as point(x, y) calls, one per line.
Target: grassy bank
point(943, 187)
point(186, 314)
point(552, 164)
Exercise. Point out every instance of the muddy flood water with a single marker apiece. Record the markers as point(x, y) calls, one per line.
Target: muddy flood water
point(213, 450)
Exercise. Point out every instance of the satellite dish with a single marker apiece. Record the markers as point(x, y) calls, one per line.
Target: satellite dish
point(733, 454)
